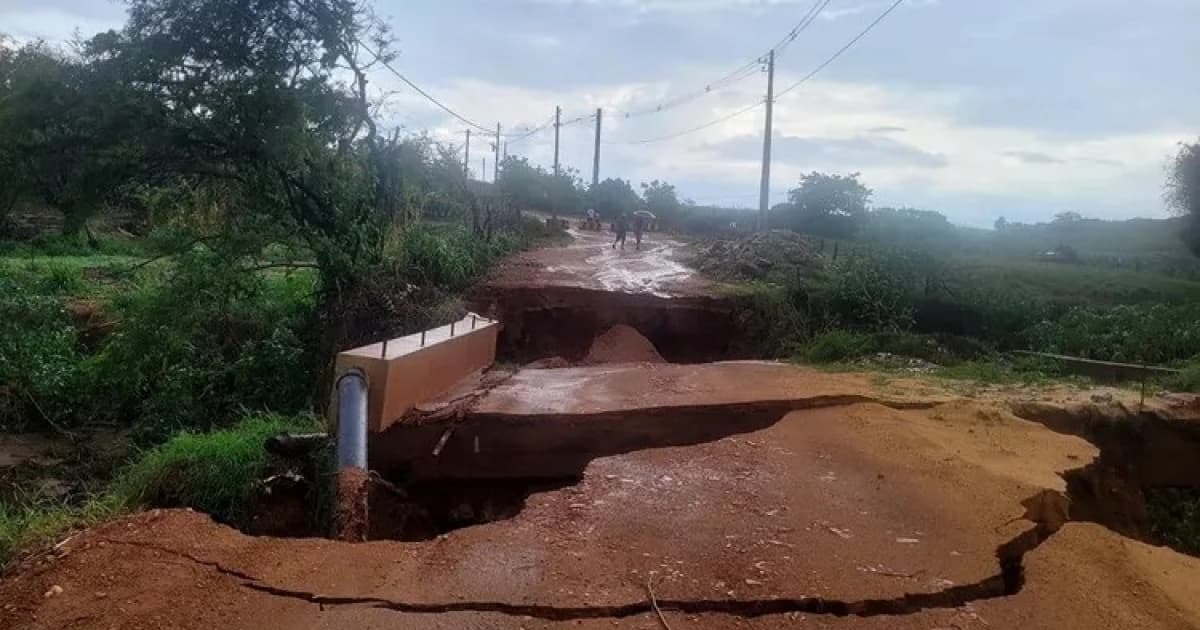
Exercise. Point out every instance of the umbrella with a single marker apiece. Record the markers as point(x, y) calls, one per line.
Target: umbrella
point(645, 213)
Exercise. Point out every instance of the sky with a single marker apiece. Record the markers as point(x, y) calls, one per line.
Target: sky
point(973, 108)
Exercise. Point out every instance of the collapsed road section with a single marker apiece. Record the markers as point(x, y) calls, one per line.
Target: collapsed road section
point(913, 511)
point(554, 302)
point(620, 489)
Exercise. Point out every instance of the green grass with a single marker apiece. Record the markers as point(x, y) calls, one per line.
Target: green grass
point(1078, 285)
point(1002, 371)
point(33, 526)
point(213, 472)
point(58, 245)
point(97, 276)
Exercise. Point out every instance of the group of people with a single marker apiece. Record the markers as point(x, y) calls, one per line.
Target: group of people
point(621, 227)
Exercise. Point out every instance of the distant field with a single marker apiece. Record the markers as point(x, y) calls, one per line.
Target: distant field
point(1079, 284)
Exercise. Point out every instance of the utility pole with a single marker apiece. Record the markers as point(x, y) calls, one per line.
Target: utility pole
point(764, 191)
point(596, 155)
point(506, 149)
point(496, 166)
point(557, 116)
point(467, 157)
point(483, 169)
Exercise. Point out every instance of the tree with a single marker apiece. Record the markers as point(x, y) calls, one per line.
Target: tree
point(533, 187)
point(1001, 224)
point(267, 102)
point(567, 195)
point(66, 132)
point(661, 199)
point(826, 205)
point(524, 184)
point(1183, 192)
point(1067, 217)
point(614, 197)
point(909, 227)
point(1063, 223)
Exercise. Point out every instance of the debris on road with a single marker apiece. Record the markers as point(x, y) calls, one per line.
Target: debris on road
point(760, 256)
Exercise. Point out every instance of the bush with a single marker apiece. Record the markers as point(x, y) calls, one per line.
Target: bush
point(838, 345)
point(1187, 380)
point(1157, 333)
point(1174, 515)
point(450, 257)
point(202, 345)
point(874, 291)
point(771, 321)
point(212, 472)
point(38, 356)
point(446, 258)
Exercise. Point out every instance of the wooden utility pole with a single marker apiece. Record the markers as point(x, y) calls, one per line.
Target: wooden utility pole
point(496, 166)
point(596, 154)
point(764, 190)
point(467, 157)
point(557, 116)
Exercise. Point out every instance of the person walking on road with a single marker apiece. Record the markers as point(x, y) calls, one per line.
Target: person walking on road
point(621, 226)
point(639, 225)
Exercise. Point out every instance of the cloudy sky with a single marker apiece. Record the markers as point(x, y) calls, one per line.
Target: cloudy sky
point(975, 108)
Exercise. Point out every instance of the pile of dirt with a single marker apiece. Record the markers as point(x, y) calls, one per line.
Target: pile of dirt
point(762, 256)
point(622, 344)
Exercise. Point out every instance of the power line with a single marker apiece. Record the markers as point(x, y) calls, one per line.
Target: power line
point(743, 72)
point(748, 70)
point(386, 64)
point(578, 119)
point(695, 129)
point(841, 50)
point(533, 131)
point(802, 26)
point(791, 87)
point(427, 95)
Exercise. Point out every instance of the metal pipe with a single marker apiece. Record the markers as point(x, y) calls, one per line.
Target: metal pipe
point(352, 420)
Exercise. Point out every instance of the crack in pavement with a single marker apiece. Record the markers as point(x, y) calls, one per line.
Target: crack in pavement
point(912, 603)
point(1008, 582)
point(1046, 510)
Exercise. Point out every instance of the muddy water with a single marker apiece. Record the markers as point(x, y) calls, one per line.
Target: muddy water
point(653, 270)
point(590, 262)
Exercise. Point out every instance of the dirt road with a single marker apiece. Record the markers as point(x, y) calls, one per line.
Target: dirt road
point(590, 262)
point(725, 495)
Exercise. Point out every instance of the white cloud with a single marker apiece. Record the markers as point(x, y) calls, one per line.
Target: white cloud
point(58, 24)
